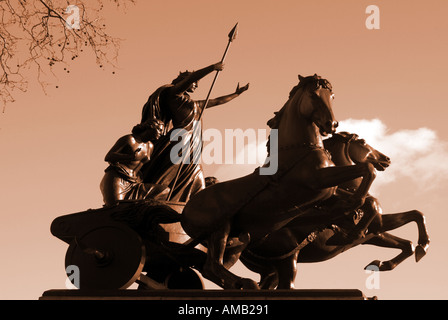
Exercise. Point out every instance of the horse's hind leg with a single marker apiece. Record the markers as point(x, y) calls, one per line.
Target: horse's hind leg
point(214, 269)
point(283, 274)
point(396, 220)
point(287, 270)
point(269, 280)
point(390, 241)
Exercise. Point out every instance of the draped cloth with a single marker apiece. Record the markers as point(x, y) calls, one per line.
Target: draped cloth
point(119, 184)
point(177, 112)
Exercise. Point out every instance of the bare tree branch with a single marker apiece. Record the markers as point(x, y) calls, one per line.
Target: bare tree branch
point(38, 35)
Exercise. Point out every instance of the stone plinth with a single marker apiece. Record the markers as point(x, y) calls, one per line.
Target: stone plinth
point(234, 295)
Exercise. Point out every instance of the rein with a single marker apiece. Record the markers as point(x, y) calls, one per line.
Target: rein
point(299, 246)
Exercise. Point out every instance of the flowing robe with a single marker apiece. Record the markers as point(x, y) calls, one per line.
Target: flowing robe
point(177, 112)
point(119, 184)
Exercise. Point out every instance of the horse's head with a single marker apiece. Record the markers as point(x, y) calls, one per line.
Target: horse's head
point(360, 152)
point(317, 97)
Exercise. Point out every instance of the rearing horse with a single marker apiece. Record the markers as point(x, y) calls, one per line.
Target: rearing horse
point(253, 206)
point(276, 256)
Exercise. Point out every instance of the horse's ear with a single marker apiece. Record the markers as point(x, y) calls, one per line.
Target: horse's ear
point(301, 78)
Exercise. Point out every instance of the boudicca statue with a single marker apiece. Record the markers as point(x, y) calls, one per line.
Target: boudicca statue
point(315, 206)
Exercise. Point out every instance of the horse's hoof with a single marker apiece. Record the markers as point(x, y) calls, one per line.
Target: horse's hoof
point(420, 252)
point(376, 265)
point(269, 282)
point(248, 284)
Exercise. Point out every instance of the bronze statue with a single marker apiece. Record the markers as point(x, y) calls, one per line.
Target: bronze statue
point(159, 214)
point(122, 179)
point(249, 208)
point(309, 238)
point(173, 105)
point(259, 218)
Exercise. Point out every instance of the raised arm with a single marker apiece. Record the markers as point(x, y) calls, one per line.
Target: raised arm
point(185, 84)
point(224, 99)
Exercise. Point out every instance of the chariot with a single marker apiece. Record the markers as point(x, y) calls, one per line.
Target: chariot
point(134, 242)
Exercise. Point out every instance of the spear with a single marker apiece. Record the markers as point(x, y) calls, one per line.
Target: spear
point(232, 36)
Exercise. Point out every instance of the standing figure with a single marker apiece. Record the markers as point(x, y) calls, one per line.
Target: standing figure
point(173, 105)
point(122, 178)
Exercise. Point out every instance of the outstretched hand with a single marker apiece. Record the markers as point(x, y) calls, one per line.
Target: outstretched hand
point(242, 89)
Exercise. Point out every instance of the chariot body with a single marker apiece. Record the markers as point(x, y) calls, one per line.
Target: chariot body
point(132, 242)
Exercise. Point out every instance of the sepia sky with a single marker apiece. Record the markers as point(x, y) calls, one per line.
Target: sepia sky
point(390, 87)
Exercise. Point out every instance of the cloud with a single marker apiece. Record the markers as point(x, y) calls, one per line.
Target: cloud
point(243, 161)
point(416, 154)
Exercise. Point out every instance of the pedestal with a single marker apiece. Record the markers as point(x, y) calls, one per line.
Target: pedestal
point(233, 295)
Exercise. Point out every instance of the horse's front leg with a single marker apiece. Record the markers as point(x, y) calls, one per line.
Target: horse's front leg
point(390, 241)
point(370, 212)
point(287, 270)
point(333, 176)
point(395, 220)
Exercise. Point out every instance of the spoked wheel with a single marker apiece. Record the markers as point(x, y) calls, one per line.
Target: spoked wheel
point(107, 257)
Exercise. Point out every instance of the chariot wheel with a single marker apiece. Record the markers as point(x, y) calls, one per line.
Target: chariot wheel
point(106, 257)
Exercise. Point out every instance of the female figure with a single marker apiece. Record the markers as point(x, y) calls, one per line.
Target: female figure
point(122, 180)
point(173, 105)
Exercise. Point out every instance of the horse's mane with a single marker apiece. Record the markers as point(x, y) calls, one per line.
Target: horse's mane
point(313, 80)
point(342, 136)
